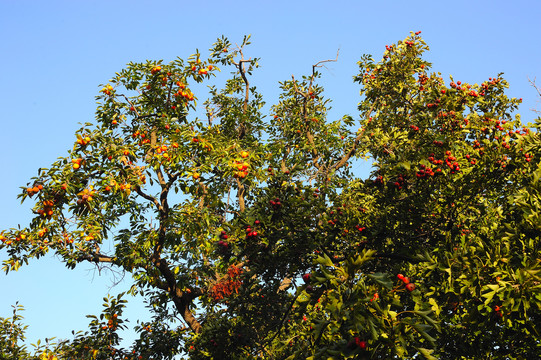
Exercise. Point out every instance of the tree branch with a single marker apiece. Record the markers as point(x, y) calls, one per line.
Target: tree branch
point(96, 258)
point(181, 299)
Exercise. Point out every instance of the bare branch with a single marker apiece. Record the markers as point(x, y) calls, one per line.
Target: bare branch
point(318, 64)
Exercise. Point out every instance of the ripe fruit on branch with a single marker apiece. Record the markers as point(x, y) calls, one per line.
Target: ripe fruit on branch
point(107, 90)
point(83, 141)
point(410, 287)
point(356, 342)
point(223, 247)
point(76, 163)
point(34, 190)
point(86, 195)
point(47, 210)
point(306, 277)
point(275, 203)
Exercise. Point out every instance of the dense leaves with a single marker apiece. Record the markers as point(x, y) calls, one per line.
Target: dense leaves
point(251, 237)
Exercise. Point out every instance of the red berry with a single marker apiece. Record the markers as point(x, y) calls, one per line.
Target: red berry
point(400, 276)
point(360, 343)
point(410, 287)
point(406, 280)
point(306, 277)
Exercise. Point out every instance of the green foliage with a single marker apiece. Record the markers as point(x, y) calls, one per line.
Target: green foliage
point(251, 237)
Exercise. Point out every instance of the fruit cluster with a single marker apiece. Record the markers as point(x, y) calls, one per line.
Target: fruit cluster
point(47, 210)
point(400, 181)
point(83, 141)
point(107, 90)
point(223, 246)
point(425, 171)
point(34, 190)
point(250, 232)
point(241, 169)
point(76, 163)
point(409, 285)
point(451, 162)
point(204, 71)
point(276, 204)
point(356, 342)
point(86, 196)
point(111, 323)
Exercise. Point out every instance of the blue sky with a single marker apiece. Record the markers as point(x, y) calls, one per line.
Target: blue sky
point(56, 53)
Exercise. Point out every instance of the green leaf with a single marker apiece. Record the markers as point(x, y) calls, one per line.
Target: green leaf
point(382, 279)
point(427, 354)
point(324, 260)
point(425, 314)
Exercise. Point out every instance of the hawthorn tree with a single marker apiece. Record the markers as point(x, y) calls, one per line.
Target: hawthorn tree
point(251, 238)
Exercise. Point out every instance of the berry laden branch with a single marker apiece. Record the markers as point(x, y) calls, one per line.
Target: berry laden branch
point(242, 128)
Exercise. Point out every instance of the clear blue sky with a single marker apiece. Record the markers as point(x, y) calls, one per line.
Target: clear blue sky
point(55, 53)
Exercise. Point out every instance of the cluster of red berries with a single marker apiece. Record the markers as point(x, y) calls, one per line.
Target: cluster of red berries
point(223, 246)
point(433, 160)
point(472, 160)
point(431, 105)
point(399, 182)
point(250, 233)
point(379, 180)
point(451, 162)
point(307, 279)
point(360, 228)
point(426, 172)
point(409, 285)
point(276, 204)
point(498, 311)
point(356, 342)
point(472, 93)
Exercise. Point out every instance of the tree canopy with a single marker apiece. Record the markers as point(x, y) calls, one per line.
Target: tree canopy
point(251, 237)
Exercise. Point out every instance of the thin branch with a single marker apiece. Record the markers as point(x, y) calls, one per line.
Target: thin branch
point(353, 149)
point(318, 65)
point(96, 258)
point(148, 197)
